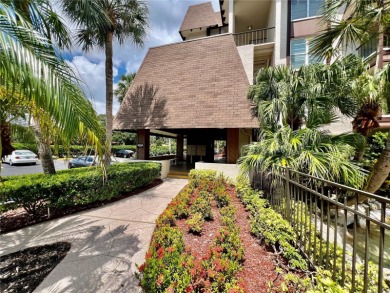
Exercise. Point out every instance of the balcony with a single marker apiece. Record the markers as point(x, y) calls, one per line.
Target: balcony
point(255, 37)
point(368, 49)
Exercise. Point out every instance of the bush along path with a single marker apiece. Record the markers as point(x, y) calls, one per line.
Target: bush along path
point(276, 233)
point(203, 243)
point(38, 197)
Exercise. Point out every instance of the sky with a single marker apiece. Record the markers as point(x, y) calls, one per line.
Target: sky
point(165, 18)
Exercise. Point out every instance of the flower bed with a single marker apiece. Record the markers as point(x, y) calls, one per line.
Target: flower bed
point(198, 244)
point(173, 266)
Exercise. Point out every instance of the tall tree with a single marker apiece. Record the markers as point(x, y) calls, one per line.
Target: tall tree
point(123, 86)
point(363, 20)
point(100, 22)
point(291, 107)
point(29, 64)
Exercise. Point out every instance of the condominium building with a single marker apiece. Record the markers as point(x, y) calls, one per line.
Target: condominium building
point(197, 89)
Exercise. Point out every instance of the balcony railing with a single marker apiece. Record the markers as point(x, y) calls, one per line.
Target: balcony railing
point(255, 37)
point(369, 48)
point(333, 230)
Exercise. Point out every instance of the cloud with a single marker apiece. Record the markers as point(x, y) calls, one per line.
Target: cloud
point(165, 18)
point(93, 75)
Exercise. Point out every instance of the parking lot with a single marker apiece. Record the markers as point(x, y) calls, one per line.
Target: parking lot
point(7, 170)
point(60, 164)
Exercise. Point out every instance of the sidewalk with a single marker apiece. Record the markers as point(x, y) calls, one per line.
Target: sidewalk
point(106, 242)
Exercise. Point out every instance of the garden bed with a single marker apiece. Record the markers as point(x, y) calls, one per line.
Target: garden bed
point(203, 242)
point(24, 270)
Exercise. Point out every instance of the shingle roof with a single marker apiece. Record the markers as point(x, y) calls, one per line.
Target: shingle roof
point(201, 16)
point(196, 84)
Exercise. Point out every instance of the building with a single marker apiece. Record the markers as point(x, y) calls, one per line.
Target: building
point(197, 89)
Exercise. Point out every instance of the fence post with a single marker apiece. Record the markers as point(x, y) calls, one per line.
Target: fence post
point(288, 195)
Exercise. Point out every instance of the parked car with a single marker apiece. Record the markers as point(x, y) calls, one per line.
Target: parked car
point(83, 161)
point(124, 154)
point(21, 157)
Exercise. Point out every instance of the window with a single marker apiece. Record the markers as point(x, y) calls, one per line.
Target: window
point(299, 53)
point(305, 8)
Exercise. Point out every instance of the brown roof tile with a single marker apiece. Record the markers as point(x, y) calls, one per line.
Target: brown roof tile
point(201, 16)
point(195, 84)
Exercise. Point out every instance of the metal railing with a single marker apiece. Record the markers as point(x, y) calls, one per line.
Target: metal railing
point(369, 49)
point(255, 37)
point(332, 230)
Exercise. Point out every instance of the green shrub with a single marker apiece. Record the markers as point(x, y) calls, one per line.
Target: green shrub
point(167, 218)
point(222, 198)
point(229, 239)
point(165, 262)
point(180, 204)
point(26, 146)
point(35, 193)
point(202, 206)
point(195, 223)
point(196, 176)
point(168, 237)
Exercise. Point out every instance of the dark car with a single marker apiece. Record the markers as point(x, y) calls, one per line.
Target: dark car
point(124, 154)
point(84, 161)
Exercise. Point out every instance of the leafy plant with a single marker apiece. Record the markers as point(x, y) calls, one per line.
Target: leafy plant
point(202, 206)
point(195, 223)
point(35, 193)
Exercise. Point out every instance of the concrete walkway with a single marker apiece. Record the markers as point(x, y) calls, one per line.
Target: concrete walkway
point(107, 242)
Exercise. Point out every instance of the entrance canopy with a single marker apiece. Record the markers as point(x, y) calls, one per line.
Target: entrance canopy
point(195, 84)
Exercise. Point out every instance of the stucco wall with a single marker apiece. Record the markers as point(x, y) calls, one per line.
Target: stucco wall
point(246, 54)
point(306, 27)
point(228, 170)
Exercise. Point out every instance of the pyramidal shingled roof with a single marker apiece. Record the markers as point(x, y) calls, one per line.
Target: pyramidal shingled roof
point(194, 84)
point(201, 16)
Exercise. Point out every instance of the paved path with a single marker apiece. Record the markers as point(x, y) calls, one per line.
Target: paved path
point(107, 242)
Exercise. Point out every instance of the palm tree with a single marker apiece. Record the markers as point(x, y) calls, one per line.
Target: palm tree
point(285, 101)
point(310, 96)
point(123, 85)
point(366, 20)
point(29, 64)
point(100, 21)
point(307, 150)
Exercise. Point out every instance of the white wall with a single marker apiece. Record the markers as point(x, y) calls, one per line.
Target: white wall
point(246, 54)
point(281, 9)
point(228, 170)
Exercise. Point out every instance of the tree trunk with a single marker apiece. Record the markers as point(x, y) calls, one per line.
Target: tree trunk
point(109, 95)
point(379, 49)
point(44, 151)
point(381, 169)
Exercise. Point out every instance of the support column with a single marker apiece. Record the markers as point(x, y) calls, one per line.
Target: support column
point(232, 145)
point(179, 146)
point(231, 16)
point(281, 23)
point(143, 144)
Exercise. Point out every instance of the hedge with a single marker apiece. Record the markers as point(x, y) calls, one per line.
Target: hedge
point(35, 193)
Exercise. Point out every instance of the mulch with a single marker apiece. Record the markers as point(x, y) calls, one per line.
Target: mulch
point(19, 218)
point(258, 267)
point(24, 270)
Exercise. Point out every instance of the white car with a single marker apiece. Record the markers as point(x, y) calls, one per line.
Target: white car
point(21, 157)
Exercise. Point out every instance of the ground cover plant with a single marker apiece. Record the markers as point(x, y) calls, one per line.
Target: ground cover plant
point(199, 247)
point(24, 270)
point(270, 227)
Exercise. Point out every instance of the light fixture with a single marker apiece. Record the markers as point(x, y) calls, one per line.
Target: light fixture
point(249, 27)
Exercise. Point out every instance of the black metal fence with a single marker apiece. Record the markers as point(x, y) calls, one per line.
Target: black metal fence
point(334, 230)
point(255, 37)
